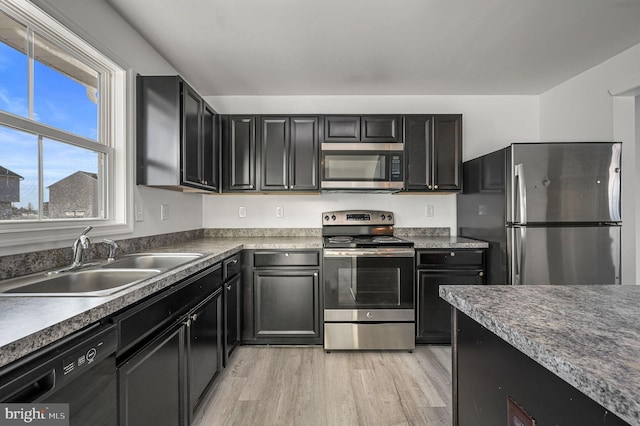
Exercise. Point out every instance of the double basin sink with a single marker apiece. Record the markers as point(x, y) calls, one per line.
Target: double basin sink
point(98, 280)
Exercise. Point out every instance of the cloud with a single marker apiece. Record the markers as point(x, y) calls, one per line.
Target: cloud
point(14, 105)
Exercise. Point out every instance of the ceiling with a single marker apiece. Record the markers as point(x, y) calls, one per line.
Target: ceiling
point(383, 47)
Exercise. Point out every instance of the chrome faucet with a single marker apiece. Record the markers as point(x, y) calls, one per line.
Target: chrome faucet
point(79, 246)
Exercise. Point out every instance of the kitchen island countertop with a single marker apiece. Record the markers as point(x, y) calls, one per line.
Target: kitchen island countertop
point(589, 336)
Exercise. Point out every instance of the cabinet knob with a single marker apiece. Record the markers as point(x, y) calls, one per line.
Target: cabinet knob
point(286, 187)
point(452, 254)
point(429, 186)
point(286, 254)
point(229, 287)
point(481, 274)
point(435, 186)
point(234, 261)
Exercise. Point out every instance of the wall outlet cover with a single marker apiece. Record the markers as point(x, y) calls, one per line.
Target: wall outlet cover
point(242, 212)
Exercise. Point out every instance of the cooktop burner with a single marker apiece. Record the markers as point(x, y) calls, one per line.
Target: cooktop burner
point(363, 241)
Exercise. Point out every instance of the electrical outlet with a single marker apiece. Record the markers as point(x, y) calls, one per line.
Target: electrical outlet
point(429, 210)
point(242, 212)
point(280, 211)
point(139, 212)
point(164, 212)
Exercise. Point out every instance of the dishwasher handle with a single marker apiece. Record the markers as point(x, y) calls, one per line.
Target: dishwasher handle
point(34, 390)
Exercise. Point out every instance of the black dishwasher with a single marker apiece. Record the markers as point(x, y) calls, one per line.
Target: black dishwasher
point(79, 370)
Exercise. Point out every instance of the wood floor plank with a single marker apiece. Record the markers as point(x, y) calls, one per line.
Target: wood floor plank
point(306, 386)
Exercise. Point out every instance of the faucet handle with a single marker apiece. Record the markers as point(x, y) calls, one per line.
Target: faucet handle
point(112, 249)
point(86, 230)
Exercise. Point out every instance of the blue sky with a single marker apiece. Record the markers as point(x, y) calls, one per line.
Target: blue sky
point(59, 102)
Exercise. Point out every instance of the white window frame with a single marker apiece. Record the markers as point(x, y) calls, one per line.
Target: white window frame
point(116, 133)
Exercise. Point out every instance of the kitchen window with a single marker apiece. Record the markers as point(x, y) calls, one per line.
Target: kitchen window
point(63, 115)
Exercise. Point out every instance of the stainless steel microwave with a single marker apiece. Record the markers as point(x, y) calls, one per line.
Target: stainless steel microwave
point(362, 166)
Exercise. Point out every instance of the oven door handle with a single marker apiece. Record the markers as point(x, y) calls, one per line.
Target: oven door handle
point(375, 252)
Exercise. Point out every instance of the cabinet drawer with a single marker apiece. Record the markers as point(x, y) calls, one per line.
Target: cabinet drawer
point(440, 258)
point(231, 266)
point(286, 258)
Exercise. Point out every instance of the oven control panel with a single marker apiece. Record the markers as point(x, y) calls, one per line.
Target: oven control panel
point(357, 217)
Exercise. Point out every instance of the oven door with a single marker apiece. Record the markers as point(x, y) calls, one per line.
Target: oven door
point(361, 169)
point(368, 279)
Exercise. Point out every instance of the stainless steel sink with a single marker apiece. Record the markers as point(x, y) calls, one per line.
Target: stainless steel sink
point(91, 282)
point(152, 260)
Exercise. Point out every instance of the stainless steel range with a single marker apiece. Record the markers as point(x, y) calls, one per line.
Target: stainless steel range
point(368, 279)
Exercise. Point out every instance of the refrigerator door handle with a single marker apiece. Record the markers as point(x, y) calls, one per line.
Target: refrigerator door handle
point(521, 216)
point(517, 269)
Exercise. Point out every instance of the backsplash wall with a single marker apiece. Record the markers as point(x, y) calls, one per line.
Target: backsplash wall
point(305, 211)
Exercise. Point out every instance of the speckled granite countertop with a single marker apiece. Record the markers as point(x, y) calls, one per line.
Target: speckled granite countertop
point(30, 323)
point(447, 242)
point(587, 335)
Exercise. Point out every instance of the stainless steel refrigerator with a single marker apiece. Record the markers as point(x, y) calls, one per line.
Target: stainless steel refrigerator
point(550, 212)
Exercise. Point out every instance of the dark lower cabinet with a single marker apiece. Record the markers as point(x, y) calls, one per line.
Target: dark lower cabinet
point(282, 297)
point(204, 347)
point(164, 370)
point(233, 315)
point(436, 268)
point(152, 382)
point(286, 304)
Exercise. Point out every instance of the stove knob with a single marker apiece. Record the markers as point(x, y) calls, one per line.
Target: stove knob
point(389, 217)
point(382, 217)
point(333, 217)
point(326, 217)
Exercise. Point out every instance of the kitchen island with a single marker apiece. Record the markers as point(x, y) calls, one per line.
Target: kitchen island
point(562, 355)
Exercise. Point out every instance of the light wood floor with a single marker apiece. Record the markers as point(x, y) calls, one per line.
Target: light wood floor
point(306, 386)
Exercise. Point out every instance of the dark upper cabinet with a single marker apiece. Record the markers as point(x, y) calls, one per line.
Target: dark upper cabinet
point(304, 152)
point(289, 148)
point(239, 152)
point(274, 148)
point(177, 136)
point(366, 128)
point(433, 152)
point(271, 153)
point(380, 128)
point(342, 128)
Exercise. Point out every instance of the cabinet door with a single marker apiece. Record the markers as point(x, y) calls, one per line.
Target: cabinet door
point(447, 152)
point(303, 154)
point(417, 146)
point(342, 128)
point(433, 323)
point(210, 148)
point(286, 305)
point(380, 128)
point(191, 107)
point(151, 383)
point(204, 346)
point(240, 153)
point(274, 149)
point(232, 313)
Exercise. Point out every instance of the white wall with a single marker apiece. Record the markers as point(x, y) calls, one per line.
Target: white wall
point(489, 123)
point(583, 108)
point(108, 31)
